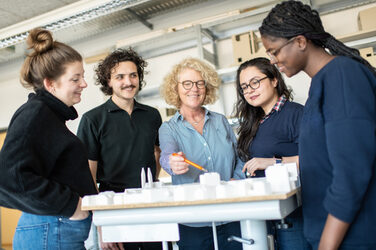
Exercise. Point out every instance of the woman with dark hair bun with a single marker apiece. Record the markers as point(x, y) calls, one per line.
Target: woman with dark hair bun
point(44, 167)
point(268, 134)
point(337, 142)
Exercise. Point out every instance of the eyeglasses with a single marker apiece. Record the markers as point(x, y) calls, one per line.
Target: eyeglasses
point(188, 84)
point(253, 84)
point(274, 53)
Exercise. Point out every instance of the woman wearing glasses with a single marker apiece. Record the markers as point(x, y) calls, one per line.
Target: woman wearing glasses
point(202, 136)
point(337, 143)
point(268, 134)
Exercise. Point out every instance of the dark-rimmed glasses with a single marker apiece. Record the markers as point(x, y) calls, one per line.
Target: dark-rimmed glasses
point(188, 84)
point(253, 84)
point(274, 53)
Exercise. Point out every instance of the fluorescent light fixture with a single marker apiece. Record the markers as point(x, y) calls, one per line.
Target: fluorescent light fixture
point(80, 17)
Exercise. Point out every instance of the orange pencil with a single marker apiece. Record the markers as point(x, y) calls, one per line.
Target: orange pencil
point(191, 163)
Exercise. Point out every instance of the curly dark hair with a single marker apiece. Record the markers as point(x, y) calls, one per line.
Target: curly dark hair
point(103, 71)
point(249, 116)
point(292, 18)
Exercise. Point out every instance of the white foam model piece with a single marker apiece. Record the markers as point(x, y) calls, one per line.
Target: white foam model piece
point(143, 178)
point(105, 198)
point(210, 179)
point(282, 177)
point(279, 178)
point(261, 187)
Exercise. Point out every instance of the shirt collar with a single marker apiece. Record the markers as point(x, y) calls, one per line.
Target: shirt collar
point(276, 108)
point(178, 117)
point(111, 106)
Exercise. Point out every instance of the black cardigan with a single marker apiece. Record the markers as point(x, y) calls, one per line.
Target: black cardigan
point(43, 166)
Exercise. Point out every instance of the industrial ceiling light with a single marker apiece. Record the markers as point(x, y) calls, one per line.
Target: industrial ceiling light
point(101, 10)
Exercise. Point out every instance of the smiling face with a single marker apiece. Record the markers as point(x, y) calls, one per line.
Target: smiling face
point(265, 96)
point(69, 86)
point(124, 81)
point(284, 53)
point(194, 97)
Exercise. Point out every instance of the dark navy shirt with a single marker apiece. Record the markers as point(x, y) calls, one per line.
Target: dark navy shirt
point(278, 135)
point(337, 149)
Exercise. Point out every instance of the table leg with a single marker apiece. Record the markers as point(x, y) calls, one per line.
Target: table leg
point(164, 245)
point(215, 239)
point(256, 230)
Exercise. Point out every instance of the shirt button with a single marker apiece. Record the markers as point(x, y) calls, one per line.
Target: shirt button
point(60, 219)
point(209, 158)
point(205, 144)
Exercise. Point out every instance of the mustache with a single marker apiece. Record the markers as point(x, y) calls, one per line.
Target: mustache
point(128, 86)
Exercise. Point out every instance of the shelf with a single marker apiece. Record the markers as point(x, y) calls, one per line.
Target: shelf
point(360, 39)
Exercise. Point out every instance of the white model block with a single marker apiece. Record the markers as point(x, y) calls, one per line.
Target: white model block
point(222, 191)
point(210, 179)
point(198, 194)
point(179, 193)
point(88, 200)
point(293, 171)
point(240, 187)
point(133, 195)
point(278, 177)
point(210, 192)
point(118, 198)
point(157, 194)
point(105, 198)
point(261, 187)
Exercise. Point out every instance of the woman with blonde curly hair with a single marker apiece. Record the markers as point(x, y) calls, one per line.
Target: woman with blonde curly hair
point(204, 137)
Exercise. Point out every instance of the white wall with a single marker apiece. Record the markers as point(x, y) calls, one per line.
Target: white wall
point(12, 95)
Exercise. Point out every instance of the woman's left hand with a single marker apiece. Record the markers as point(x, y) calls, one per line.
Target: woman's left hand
point(257, 164)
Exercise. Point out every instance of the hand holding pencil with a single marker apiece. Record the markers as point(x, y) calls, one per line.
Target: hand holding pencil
point(180, 165)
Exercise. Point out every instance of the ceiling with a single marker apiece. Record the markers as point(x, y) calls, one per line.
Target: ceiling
point(19, 16)
point(15, 11)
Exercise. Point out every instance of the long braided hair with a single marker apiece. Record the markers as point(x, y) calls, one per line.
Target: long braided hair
point(249, 116)
point(293, 18)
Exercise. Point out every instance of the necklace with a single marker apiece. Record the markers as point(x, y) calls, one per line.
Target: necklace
point(196, 123)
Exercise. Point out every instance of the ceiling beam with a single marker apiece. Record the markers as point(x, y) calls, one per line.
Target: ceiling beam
point(140, 19)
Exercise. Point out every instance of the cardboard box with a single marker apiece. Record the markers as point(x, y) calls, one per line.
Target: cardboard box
point(367, 19)
point(367, 53)
point(246, 46)
point(241, 45)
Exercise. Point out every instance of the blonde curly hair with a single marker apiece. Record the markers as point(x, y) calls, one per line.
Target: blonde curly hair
point(169, 88)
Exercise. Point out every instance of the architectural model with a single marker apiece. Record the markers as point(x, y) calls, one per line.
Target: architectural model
point(280, 178)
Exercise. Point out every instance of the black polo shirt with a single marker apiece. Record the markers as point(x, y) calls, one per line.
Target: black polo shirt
point(122, 144)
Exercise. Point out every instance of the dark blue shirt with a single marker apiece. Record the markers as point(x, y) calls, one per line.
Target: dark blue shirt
point(278, 135)
point(338, 152)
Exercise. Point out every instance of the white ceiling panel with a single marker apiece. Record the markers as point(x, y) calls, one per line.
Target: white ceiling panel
point(14, 11)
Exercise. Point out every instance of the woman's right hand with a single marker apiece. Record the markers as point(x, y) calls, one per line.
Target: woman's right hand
point(257, 164)
point(79, 214)
point(177, 164)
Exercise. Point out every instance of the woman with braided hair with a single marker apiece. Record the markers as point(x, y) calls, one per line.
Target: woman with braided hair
point(337, 142)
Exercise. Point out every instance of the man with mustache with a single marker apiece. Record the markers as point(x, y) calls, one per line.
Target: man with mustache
point(121, 135)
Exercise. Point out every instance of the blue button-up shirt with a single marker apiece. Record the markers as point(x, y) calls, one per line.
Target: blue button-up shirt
point(215, 149)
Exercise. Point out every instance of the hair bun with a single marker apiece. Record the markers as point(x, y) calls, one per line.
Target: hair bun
point(40, 40)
